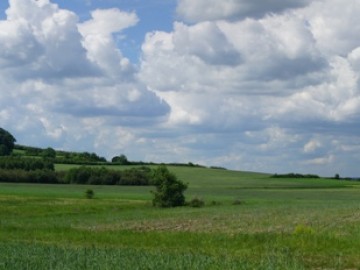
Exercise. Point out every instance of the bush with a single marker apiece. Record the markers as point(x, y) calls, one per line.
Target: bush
point(169, 190)
point(196, 202)
point(237, 202)
point(303, 230)
point(215, 203)
point(89, 194)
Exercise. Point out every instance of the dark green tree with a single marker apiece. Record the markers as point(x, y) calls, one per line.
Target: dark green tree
point(48, 153)
point(122, 159)
point(7, 142)
point(169, 190)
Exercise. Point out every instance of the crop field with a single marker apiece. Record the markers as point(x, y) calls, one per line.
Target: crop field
point(249, 221)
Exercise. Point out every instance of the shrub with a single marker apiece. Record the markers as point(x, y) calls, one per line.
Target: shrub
point(89, 194)
point(303, 230)
point(196, 202)
point(214, 203)
point(237, 202)
point(169, 190)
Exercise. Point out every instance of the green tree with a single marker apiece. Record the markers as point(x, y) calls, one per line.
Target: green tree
point(7, 142)
point(122, 159)
point(48, 153)
point(169, 190)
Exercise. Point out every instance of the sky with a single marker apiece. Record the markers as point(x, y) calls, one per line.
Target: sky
point(269, 86)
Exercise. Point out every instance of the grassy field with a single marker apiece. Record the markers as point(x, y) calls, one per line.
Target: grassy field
point(274, 224)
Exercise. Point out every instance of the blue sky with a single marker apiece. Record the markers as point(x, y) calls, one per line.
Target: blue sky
point(250, 85)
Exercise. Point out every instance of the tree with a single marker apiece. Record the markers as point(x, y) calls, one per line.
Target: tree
point(7, 142)
point(48, 153)
point(169, 190)
point(122, 159)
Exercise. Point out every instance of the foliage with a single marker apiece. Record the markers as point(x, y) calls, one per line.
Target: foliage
point(36, 170)
point(7, 142)
point(27, 164)
point(23, 176)
point(89, 194)
point(295, 175)
point(169, 190)
point(217, 168)
point(237, 202)
point(303, 230)
point(104, 176)
point(66, 157)
point(29, 150)
point(78, 158)
point(48, 153)
point(122, 160)
point(196, 202)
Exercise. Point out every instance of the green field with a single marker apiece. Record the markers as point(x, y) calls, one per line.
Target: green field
point(274, 224)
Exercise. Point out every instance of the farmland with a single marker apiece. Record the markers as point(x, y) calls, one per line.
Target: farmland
point(249, 221)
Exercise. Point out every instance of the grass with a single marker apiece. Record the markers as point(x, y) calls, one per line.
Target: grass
point(279, 224)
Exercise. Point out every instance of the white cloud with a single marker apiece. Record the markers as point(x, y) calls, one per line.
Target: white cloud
point(296, 70)
point(108, 21)
point(59, 77)
point(203, 10)
point(333, 32)
point(244, 84)
point(321, 160)
point(312, 146)
point(99, 42)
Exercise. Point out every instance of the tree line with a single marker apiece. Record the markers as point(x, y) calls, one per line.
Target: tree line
point(295, 175)
point(63, 157)
point(26, 164)
point(81, 175)
point(103, 176)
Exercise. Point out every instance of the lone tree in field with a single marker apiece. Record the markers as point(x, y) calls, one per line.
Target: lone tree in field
point(7, 142)
point(169, 190)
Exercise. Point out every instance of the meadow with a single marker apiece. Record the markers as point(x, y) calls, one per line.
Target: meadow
point(249, 221)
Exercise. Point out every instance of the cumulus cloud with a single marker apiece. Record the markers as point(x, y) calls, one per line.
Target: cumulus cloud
point(334, 33)
point(99, 42)
point(243, 84)
point(237, 56)
point(40, 40)
point(295, 75)
point(207, 10)
point(312, 146)
point(61, 78)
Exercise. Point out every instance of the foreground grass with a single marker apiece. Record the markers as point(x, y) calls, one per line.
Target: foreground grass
point(279, 224)
point(52, 257)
